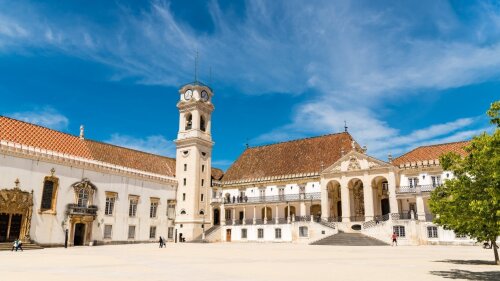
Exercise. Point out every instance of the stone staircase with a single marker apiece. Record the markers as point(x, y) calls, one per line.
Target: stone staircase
point(7, 246)
point(349, 239)
point(208, 232)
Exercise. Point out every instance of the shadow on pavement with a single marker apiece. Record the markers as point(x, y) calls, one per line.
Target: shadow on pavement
point(468, 275)
point(471, 262)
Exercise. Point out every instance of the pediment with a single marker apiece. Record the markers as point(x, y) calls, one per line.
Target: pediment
point(355, 161)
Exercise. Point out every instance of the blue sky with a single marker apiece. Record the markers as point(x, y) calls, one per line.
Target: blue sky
point(401, 73)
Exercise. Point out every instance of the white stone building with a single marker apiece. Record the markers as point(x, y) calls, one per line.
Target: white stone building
point(56, 187)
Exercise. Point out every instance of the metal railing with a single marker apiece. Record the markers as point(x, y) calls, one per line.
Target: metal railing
point(401, 216)
point(302, 218)
point(268, 199)
point(406, 189)
point(334, 219)
point(416, 189)
point(74, 209)
point(357, 218)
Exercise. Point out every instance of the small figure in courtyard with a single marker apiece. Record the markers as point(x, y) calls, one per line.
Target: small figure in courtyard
point(394, 239)
point(164, 242)
point(14, 246)
point(19, 245)
point(161, 242)
point(234, 198)
point(246, 198)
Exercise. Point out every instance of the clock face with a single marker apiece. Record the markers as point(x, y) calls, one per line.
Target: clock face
point(204, 96)
point(188, 94)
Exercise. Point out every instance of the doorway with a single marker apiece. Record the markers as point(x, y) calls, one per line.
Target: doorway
point(241, 216)
point(228, 235)
point(216, 217)
point(385, 206)
point(4, 224)
point(15, 226)
point(10, 227)
point(79, 238)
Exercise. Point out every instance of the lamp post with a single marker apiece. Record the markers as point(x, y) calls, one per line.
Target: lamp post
point(203, 228)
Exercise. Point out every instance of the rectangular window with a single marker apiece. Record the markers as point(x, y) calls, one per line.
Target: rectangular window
point(202, 182)
point(185, 167)
point(399, 230)
point(202, 197)
point(260, 233)
point(108, 229)
point(436, 180)
point(132, 207)
point(183, 196)
point(460, 236)
point(131, 232)
point(184, 181)
point(432, 232)
point(152, 232)
point(110, 205)
point(277, 233)
point(202, 168)
point(171, 210)
point(262, 192)
point(170, 234)
point(48, 189)
point(413, 182)
point(243, 233)
point(153, 209)
point(228, 214)
point(303, 231)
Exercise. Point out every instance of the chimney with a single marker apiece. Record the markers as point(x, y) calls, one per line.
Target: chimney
point(82, 135)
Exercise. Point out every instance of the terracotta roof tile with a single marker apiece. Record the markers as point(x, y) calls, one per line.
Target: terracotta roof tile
point(431, 152)
point(287, 158)
point(37, 136)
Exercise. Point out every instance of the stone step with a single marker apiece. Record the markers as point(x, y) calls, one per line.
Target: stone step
point(7, 246)
point(349, 239)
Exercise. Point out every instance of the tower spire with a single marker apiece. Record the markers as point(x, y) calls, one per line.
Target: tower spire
point(345, 126)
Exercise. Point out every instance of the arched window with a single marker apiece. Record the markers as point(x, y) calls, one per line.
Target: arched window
point(202, 212)
point(189, 121)
point(183, 212)
point(202, 123)
point(83, 198)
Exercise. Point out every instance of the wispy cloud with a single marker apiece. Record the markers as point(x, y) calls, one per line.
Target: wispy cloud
point(45, 116)
point(350, 54)
point(156, 144)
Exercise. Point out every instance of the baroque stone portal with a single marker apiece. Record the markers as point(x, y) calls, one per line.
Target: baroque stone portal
point(16, 208)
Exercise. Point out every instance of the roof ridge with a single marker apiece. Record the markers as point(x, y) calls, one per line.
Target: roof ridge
point(431, 145)
point(301, 139)
point(128, 148)
point(37, 125)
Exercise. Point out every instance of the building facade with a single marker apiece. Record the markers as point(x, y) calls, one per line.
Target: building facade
point(57, 188)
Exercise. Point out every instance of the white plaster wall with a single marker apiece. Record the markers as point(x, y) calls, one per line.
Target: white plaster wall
point(48, 228)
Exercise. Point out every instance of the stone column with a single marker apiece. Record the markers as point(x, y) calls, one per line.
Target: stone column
point(254, 212)
point(368, 198)
point(325, 205)
point(222, 215)
point(265, 214)
point(244, 215)
point(346, 204)
point(393, 202)
point(420, 207)
point(234, 215)
point(303, 212)
point(277, 219)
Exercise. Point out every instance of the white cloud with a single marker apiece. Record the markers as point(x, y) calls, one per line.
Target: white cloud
point(46, 116)
point(155, 144)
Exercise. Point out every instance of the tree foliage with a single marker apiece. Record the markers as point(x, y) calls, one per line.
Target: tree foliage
point(469, 203)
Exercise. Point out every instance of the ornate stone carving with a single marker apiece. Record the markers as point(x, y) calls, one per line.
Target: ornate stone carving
point(16, 201)
point(353, 164)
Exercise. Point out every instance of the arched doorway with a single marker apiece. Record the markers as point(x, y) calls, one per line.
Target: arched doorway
point(216, 216)
point(292, 212)
point(334, 199)
point(357, 199)
point(380, 189)
point(269, 213)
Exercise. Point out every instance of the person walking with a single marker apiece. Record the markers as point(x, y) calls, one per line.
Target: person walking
point(161, 242)
point(394, 239)
point(20, 245)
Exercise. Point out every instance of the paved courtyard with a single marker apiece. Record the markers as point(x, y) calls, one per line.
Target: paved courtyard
point(249, 262)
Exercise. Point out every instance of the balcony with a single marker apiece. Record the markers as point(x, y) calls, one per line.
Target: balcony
point(415, 189)
point(269, 199)
point(75, 210)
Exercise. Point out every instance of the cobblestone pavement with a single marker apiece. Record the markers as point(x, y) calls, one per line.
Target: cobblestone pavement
point(249, 261)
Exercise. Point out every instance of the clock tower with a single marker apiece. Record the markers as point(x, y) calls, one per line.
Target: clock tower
point(193, 160)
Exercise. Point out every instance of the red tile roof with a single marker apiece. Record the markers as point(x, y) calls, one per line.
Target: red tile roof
point(431, 152)
point(308, 155)
point(37, 136)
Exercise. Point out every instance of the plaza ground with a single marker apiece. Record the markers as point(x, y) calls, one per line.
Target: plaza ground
point(250, 261)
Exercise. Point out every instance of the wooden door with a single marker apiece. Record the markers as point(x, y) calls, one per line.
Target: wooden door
point(228, 235)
